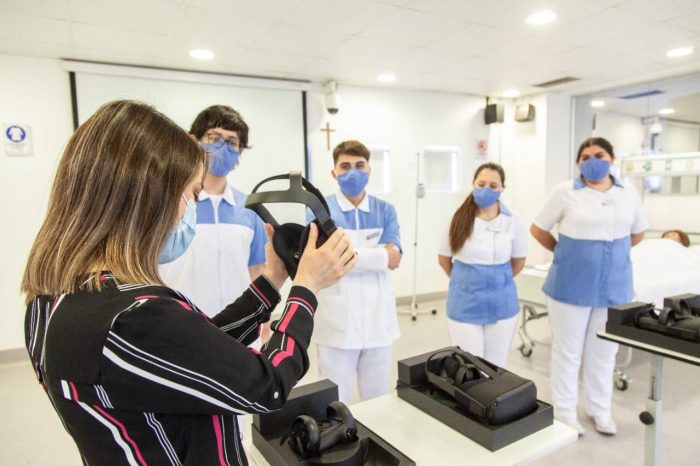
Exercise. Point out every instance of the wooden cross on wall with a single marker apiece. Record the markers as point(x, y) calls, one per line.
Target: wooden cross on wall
point(328, 130)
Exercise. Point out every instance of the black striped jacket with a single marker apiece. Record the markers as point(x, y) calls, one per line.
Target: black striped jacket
point(138, 375)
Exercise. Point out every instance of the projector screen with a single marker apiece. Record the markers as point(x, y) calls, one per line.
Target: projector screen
point(275, 115)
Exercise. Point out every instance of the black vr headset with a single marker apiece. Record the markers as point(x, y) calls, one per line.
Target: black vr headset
point(680, 317)
point(490, 394)
point(290, 238)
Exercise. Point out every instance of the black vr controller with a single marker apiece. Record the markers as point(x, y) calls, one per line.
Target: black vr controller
point(290, 238)
point(309, 438)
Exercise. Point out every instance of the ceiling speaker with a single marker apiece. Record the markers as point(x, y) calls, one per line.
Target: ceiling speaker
point(493, 113)
point(524, 112)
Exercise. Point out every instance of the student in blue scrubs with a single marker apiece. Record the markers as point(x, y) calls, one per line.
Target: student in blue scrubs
point(599, 219)
point(356, 324)
point(229, 249)
point(485, 248)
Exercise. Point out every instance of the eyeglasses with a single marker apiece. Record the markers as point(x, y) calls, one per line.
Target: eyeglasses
point(214, 137)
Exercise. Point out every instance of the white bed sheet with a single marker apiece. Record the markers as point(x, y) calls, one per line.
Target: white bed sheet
point(662, 268)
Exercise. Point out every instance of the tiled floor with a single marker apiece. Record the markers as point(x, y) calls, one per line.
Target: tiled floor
point(31, 434)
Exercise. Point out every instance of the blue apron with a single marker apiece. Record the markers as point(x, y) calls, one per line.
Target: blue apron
point(481, 294)
point(591, 273)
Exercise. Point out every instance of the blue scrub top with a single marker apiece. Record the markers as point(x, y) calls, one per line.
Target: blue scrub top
point(481, 294)
point(482, 290)
point(592, 265)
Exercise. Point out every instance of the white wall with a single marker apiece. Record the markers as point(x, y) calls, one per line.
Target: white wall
point(679, 137)
point(535, 155)
point(405, 121)
point(35, 92)
point(625, 132)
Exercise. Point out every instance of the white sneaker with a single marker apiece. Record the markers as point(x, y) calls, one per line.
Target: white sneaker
point(605, 425)
point(572, 421)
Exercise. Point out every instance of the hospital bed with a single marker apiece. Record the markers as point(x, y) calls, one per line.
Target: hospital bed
point(661, 268)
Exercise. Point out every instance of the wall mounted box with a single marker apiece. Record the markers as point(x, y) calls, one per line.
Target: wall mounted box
point(413, 388)
point(269, 430)
point(524, 112)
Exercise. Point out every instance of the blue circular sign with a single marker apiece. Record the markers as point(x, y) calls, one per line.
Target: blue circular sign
point(16, 133)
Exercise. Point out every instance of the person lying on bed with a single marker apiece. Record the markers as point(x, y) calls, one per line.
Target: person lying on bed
point(677, 235)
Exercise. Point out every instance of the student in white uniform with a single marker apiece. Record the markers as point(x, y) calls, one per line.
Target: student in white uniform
point(484, 248)
point(356, 324)
point(599, 219)
point(229, 249)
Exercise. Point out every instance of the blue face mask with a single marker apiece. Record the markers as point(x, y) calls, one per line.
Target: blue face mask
point(222, 158)
point(353, 182)
point(485, 197)
point(595, 169)
point(181, 236)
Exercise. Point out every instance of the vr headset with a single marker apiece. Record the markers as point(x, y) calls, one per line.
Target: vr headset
point(679, 318)
point(290, 238)
point(490, 394)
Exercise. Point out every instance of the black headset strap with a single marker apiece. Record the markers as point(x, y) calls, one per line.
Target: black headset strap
point(310, 197)
point(468, 359)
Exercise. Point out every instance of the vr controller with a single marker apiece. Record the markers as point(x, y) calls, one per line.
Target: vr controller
point(309, 437)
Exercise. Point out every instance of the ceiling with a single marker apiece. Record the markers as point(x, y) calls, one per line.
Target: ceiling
point(681, 93)
point(470, 46)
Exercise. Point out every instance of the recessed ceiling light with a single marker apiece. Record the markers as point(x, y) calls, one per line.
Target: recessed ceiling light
point(202, 54)
point(679, 52)
point(597, 103)
point(666, 111)
point(541, 17)
point(386, 78)
point(511, 93)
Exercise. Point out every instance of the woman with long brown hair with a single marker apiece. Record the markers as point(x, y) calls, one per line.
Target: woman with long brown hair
point(484, 249)
point(137, 374)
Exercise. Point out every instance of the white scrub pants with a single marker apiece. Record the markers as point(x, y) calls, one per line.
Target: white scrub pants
point(372, 365)
point(574, 340)
point(488, 341)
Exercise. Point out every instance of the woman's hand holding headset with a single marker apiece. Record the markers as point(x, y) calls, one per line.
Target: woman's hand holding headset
point(318, 267)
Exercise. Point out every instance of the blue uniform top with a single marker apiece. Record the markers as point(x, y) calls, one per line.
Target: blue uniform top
point(360, 310)
point(213, 271)
point(592, 265)
point(373, 214)
point(482, 290)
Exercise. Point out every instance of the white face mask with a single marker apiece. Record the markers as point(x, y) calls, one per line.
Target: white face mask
point(182, 235)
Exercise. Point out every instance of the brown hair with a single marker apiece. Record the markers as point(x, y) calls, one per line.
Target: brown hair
point(114, 200)
point(685, 240)
point(600, 142)
point(462, 224)
point(220, 116)
point(355, 148)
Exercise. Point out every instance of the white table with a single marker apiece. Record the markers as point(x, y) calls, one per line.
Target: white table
point(428, 441)
point(652, 434)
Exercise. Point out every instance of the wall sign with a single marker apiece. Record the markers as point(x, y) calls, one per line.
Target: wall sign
point(17, 140)
point(482, 148)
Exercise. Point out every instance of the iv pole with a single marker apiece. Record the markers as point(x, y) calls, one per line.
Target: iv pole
point(420, 193)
